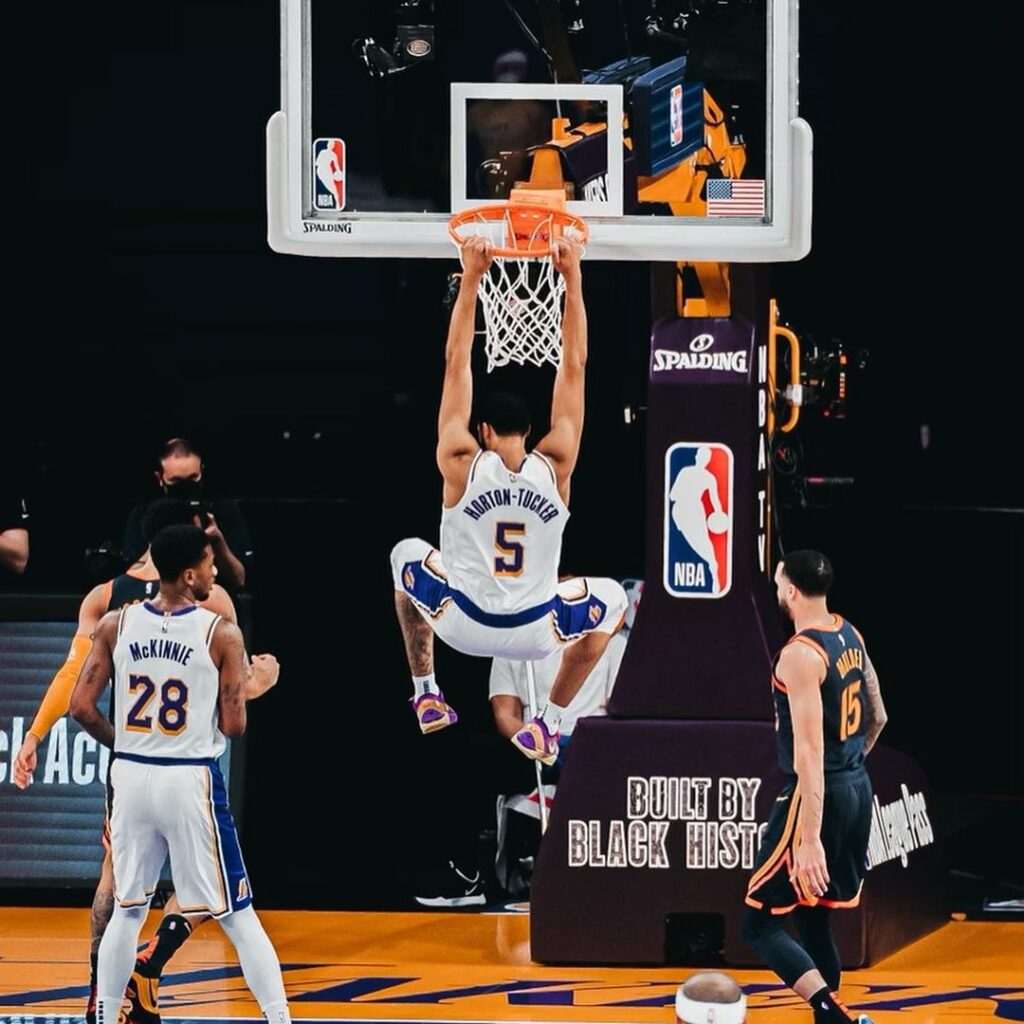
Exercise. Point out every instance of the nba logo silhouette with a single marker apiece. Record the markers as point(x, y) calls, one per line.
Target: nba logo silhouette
point(328, 174)
point(676, 115)
point(698, 519)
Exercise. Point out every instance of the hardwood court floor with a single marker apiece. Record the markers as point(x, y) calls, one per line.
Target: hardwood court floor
point(476, 967)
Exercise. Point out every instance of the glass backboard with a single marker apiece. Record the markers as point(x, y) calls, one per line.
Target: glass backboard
point(671, 125)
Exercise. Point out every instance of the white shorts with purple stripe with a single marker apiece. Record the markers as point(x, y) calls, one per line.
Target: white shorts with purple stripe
point(581, 605)
point(161, 807)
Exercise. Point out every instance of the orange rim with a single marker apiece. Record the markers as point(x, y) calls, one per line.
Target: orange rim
point(533, 246)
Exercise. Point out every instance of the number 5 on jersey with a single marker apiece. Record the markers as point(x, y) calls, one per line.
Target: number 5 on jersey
point(510, 552)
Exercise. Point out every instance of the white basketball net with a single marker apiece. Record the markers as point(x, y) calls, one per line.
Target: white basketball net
point(522, 302)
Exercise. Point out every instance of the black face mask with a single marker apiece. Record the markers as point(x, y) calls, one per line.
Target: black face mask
point(185, 490)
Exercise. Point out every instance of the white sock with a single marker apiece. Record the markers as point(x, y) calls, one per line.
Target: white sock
point(108, 1010)
point(260, 966)
point(424, 684)
point(117, 959)
point(277, 1013)
point(551, 716)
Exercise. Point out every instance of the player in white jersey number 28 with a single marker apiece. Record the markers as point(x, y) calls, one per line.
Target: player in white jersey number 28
point(179, 676)
point(493, 588)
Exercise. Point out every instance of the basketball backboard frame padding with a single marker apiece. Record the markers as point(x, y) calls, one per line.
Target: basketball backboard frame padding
point(292, 230)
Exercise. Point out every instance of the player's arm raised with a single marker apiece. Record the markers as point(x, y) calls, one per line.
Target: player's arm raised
point(562, 442)
point(455, 442)
point(92, 681)
point(227, 650)
point(802, 671)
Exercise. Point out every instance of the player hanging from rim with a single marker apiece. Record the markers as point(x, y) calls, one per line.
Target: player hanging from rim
point(493, 590)
point(140, 581)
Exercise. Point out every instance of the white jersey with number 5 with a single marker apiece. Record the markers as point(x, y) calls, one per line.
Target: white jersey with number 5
point(166, 686)
point(502, 541)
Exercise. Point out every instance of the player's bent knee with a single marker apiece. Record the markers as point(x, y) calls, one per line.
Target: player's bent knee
point(135, 913)
point(411, 549)
point(613, 594)
point(401, 554)
point(396, 557)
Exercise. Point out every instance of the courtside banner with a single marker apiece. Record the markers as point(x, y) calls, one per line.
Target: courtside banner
point(50, 833)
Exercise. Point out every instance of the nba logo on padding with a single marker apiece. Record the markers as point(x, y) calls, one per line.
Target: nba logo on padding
point(328, 174)
point(698, 519)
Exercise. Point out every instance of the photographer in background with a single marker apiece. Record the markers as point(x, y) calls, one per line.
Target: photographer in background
point(179, 474)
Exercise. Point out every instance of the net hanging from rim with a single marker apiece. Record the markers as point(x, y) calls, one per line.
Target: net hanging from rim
point(521, 294)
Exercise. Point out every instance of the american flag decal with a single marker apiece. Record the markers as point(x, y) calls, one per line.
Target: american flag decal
point(735, 197)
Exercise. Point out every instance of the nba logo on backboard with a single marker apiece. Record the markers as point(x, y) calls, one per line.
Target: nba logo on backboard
point(676, 115)
point(328, 174)
point(698, 519)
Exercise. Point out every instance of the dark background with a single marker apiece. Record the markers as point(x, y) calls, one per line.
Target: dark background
point(142, 301)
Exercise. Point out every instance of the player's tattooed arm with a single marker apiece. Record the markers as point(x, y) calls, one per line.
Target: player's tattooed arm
point(263, 669)
point(227, 651)
point(876, 717)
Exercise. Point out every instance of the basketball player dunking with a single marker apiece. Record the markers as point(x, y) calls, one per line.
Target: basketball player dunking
point(179, 677)
point(140, 582)
point(812, 859)
point(493, 590)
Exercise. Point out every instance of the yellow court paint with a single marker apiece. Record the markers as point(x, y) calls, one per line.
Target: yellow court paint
point(477, 967)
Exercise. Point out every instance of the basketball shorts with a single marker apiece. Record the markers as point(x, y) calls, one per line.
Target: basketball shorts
point(178, 810)
point(845, 827)
point(581, 605)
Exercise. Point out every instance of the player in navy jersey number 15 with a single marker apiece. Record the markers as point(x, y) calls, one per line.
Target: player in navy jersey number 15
point(828, 714)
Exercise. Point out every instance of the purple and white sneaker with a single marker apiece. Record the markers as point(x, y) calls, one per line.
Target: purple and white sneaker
point(536, 742)
point(432, 712)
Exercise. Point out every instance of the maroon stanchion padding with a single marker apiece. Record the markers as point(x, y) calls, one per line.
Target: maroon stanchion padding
point(692, 654)
point(658, 819)
point(658, 814)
